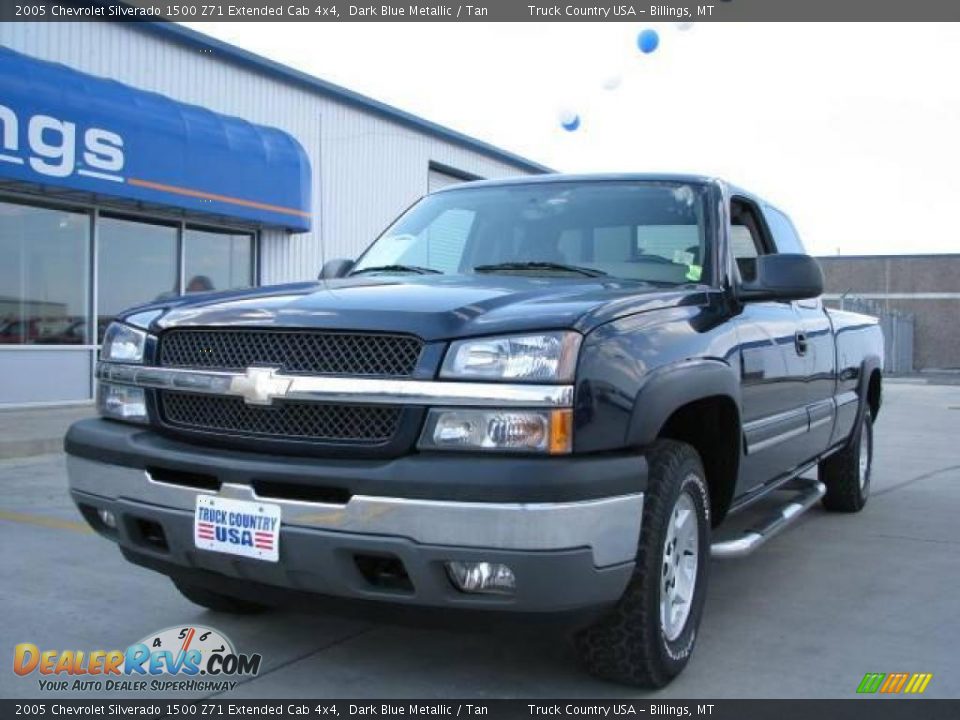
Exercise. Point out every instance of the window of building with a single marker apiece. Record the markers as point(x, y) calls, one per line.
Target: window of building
point(216, 260)
point(47, 296)
point(136, 263)
point(44, 275)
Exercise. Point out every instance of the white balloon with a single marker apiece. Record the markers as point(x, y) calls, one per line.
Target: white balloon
point(684, 25)
point(566, 116)
point(612, 82)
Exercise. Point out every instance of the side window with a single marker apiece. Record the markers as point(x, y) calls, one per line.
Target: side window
point(784, 234)
point(742, 244)
point(747, 237)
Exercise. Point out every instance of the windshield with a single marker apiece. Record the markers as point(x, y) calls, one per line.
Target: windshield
point(652, 232)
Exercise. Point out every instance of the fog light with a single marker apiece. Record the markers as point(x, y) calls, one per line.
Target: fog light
point(108, 518)
point(482, 577)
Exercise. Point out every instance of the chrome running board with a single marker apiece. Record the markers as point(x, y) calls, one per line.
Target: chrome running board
point(808, 493)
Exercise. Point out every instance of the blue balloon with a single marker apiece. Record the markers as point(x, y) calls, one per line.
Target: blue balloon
point(648, 41)
point(571, 125)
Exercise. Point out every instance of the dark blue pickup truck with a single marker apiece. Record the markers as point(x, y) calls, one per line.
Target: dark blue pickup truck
point(533, 397)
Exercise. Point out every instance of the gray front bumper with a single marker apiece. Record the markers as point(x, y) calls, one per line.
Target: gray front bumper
point(565, 555)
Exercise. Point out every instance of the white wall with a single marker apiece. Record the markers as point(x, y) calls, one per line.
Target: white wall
point(366, 170)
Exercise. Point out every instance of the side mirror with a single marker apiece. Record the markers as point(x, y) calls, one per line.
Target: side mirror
point(335, 269)
point(783, 277)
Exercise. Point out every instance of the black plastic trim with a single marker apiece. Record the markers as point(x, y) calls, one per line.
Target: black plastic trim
point(433, 476)
point(415, 616)
point(671, 387)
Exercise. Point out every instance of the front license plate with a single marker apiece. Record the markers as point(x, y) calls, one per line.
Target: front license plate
point(238, 527)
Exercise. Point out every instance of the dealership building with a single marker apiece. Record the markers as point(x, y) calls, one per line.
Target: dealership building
point(144, 160)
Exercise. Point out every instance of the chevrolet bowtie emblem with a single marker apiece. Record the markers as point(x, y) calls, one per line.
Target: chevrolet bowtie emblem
point(259, 386)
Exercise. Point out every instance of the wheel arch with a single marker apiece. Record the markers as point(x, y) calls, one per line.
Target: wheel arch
point(696, 402)
point(870, 388)
point(874, 394)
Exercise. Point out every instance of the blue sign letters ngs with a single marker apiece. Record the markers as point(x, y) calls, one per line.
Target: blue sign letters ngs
point(63, 128)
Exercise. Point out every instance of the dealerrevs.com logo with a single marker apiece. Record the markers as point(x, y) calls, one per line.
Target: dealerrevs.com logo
point(183, 658)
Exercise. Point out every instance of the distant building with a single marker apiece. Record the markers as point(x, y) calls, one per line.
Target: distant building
point(928, 286)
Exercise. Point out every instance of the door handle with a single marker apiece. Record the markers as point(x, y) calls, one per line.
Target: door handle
point(800, 342)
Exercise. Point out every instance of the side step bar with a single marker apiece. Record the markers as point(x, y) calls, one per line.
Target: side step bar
point(809, 492)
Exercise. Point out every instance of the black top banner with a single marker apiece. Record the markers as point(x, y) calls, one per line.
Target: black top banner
point(481, 11)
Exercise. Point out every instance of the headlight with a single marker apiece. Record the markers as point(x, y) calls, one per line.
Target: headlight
point(122, 343)
point(122, 402)
point(549, 357)
point(543, 431)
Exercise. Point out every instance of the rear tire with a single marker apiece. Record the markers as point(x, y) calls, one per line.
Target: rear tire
point(217, 601)
point(647, 639)
point(847, 473)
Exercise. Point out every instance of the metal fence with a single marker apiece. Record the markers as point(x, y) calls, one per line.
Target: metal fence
point(897, 329)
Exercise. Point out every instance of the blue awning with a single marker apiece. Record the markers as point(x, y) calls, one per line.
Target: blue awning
point(63, 128)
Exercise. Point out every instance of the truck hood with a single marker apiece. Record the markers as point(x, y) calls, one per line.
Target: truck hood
point(434, 307)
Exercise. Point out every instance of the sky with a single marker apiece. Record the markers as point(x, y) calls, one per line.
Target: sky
point(852, 128)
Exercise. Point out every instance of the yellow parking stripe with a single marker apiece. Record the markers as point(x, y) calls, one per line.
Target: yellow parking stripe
point(926, 681)
point(44, 521)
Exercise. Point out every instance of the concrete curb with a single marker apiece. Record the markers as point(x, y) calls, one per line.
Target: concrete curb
point(37, 431)
point(27, 448)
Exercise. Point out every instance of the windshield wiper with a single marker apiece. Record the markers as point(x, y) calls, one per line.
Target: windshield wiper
point(589, 272)
point(398, 268)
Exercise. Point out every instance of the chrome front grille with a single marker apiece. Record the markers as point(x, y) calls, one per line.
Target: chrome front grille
point(292, 352)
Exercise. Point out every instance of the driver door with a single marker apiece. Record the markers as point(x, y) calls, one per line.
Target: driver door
point(772, 371)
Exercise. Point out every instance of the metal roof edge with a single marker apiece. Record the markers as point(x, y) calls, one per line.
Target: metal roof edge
point(245, 58)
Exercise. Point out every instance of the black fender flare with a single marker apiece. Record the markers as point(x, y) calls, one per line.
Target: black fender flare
point(869, 364)
point(670, 387)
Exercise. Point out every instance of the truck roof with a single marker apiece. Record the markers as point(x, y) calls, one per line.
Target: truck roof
point(584, 177)
point(729, 188)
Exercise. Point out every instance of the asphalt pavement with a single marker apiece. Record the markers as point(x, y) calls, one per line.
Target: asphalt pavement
point(806, 616)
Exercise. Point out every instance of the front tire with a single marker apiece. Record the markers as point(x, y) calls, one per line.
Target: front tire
point(648, 637)
point(218, 602)
point(847, 473)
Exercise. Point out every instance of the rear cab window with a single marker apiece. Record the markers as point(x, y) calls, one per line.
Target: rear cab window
point(784, 233)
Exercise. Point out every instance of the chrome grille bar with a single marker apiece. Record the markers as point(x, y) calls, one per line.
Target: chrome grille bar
point(260, 386)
